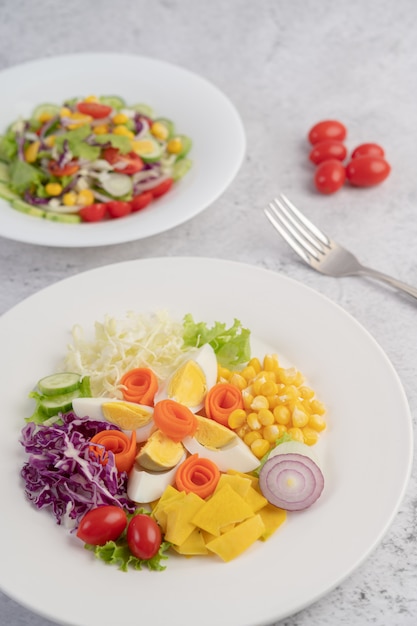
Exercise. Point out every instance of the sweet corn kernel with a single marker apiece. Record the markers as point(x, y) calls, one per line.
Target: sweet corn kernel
point(223, 372)
point(260, 447)
point(259, 402)
point(271, 433)
point(85, 197)
point(91, 99)
point(253, 421)
point(310, 436)
point(45, 117)
point(238, 381)
point(50, 141)
point(248, 372)
point(256, 387)
point(317, 422)
point(282, 429)
point(31, 152)
point(236, 418)
point(122, 130)
point(317, 407)
point(269, 388)
point(289, 375)
point(266, 417)
point(247, 400)
point(270, 362)
point(160, 131)
point(69, 199)
point(53, 189)
point(101, 129)
point(296, 433)
point(306, 392)
point(299, 418)
point(273, 401)
point(242, 431)
point(174, 145)
point(79, 119)
point(65, 112)
point(250, 437)
point(120, 118)
point(282, 414)
point(256, 364)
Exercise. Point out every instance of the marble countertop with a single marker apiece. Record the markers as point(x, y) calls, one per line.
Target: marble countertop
point(284, 65)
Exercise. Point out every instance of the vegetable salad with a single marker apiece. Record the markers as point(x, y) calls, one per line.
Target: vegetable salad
point(90, 159)
point(148, 441)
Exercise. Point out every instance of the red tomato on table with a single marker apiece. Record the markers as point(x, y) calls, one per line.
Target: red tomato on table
point(330, 176)
point(328, 149)
point(366, 171)
point(328, 129)
point(368, 149)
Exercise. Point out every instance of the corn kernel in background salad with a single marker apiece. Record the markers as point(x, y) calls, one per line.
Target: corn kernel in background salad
point(160, 131)
point(31, 152)
point(143, 146)
point(174, 145)
point(79, 119)
point(69, 198)
point(45, 117)
point(64, 112)
point(53, 189)
point(101, 129)
point(91, 99)
point(120, 118)
point(123, 131)
point(85, 197)
point(50, 141)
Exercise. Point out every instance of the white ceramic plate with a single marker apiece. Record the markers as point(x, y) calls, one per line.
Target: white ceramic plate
point(45, 569)
point(198, 108)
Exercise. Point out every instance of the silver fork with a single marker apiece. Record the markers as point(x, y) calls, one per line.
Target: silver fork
point(317, 249)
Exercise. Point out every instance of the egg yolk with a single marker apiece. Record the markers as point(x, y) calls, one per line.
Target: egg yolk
point(188, 384)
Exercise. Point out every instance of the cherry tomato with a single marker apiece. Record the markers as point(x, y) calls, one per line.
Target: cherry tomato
point(93, 212)
point(366, 171)
point(328, 149)
point(328, 129)
point(143, 536)
point(141, 201)
point(117, 208)
point(368, 149)
point(330, 176)
point(131, 161)
point(94, 109)
point(67, 170)
point(103, 524)
point(162, 188)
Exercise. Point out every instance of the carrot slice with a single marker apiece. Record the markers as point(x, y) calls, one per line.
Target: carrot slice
point(139, 385)
point(221, 400)
point(197, 475)
point(123, 448)
point(175, 420)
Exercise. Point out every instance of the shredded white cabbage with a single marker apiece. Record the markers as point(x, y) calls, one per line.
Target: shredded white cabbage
point(137, 340)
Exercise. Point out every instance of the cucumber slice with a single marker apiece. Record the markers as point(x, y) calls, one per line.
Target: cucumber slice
point(58, 384)
point(4, 172)
point(180, 168)
point(6, 193)
point(24, 207)
point(66, 218)
point(148, 149)
point(113, 101)
point(52, 405)
point(145, 109)
point(117, 185)
point(48, 109)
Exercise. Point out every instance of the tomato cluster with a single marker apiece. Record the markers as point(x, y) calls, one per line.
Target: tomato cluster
point(108, 522)
point(367, 165)
point(119, 208)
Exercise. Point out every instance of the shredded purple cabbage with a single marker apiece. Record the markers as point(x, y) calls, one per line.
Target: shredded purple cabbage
point(63, 474)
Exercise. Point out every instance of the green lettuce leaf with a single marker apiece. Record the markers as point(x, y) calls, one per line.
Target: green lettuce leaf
point(231, 345)
point(76, 143)
point(122, 143)
point(8, 147)
point(23, 175)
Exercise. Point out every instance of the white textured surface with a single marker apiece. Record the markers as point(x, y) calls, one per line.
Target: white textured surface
point(285, 65)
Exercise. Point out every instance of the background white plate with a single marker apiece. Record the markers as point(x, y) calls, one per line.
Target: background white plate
point(366, 460)
point(198, 108)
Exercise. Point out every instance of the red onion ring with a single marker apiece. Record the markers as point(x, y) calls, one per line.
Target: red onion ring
point(291, 481)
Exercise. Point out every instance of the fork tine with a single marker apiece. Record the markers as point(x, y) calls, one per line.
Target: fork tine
point(273, 218)
point(295, 232)
point(306, 222)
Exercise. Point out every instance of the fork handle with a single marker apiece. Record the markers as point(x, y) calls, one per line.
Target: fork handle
point(398, 284)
